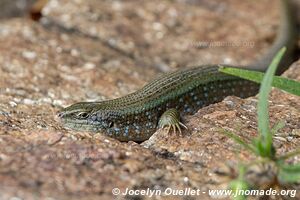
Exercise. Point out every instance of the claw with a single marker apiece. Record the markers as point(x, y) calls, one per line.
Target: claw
point(169, 127)
point(184, 126)
point(174, 128)
point(179, 129)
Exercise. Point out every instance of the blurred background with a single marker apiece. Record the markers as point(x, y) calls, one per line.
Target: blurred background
point(15, 8)
point(88, 50)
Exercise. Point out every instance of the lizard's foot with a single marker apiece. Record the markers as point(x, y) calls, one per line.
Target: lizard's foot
point(171, 119)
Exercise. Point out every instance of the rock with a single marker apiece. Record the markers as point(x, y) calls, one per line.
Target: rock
point(95, 50)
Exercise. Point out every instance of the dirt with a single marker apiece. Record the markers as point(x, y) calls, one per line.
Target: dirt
point(94, 50)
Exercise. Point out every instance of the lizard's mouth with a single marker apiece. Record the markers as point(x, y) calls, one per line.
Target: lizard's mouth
point(81, 127)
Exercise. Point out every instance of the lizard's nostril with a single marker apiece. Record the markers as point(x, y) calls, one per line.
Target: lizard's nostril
point(59, 116)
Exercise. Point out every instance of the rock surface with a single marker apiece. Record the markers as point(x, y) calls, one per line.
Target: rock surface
point(94, 50)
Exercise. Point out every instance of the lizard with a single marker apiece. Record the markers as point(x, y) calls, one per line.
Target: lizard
point(163, 101)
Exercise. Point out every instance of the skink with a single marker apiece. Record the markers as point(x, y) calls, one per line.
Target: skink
point(163, 101)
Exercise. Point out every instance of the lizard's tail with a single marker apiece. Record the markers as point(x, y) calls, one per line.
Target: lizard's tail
point(286, 36)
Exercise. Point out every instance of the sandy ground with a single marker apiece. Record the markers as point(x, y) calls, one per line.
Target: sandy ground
point(95, 50)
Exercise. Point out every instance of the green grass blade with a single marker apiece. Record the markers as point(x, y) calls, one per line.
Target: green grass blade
point(291, 168)
point(289, 173)
point(288, 85)
point(238, 140)
point(239, 185)
point(262, 107)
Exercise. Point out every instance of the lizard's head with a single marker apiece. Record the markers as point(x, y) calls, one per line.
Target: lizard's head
point(86, 116)
point(99, 117)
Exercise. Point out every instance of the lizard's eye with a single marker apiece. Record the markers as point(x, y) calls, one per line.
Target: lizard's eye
point(82, 115)
point(110, 124)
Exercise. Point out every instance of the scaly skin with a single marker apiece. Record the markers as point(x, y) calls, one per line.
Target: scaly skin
point(136, 116)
